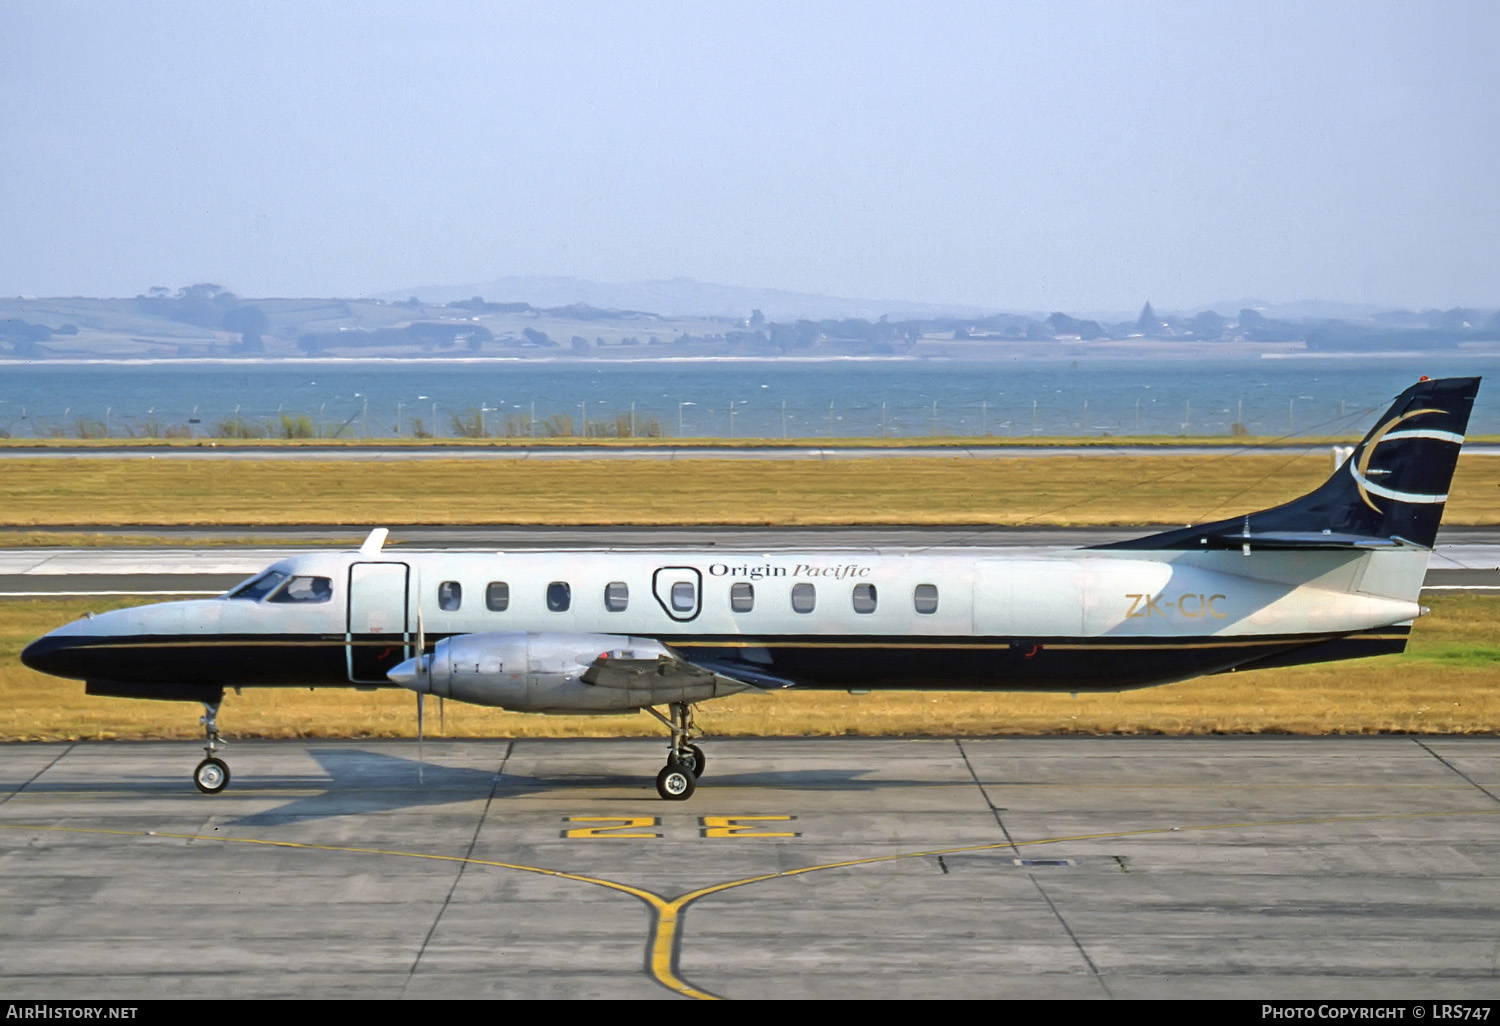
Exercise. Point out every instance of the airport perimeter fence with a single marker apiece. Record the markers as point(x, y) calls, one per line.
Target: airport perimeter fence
point(692, 419)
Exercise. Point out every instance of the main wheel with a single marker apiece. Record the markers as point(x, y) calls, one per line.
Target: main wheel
point(693, 760)
point(211, 776)
point(676, 783)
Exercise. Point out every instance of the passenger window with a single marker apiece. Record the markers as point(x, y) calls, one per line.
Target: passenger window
point(616, 596)
point(305, 589)
point(450, 595)
point(257, 588)
point(497, 596)
point(925, 598)
point(741, 597)
point(684, 596)
point(864, 598)
point(804, 598)
point(559, 596)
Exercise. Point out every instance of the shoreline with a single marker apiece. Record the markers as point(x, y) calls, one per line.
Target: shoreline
point(1208, 351)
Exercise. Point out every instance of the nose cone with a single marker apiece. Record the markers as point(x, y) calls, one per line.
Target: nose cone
point(409, 674)
point(53, 654)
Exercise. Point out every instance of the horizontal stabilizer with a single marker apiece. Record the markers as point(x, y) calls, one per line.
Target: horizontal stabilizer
point(1298, 540)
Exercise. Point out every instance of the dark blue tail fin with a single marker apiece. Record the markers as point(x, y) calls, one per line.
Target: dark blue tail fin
point(1390, 491)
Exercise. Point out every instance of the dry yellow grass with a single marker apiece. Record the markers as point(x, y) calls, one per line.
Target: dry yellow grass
point(1447, 683)
point(1064, 490)
point(23, 538)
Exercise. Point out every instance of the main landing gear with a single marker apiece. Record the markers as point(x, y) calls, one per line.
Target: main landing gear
point(685, 763)
point(212, 774)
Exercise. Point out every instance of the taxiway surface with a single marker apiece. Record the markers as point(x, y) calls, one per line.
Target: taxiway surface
point(1261, 868)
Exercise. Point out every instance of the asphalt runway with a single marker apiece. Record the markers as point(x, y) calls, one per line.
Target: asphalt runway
point(1254, 868)
point(1465, 558)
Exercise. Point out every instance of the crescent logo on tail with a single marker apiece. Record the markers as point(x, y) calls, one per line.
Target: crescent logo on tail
point(1359, 469)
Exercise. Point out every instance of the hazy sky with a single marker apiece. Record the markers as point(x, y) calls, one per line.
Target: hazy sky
point(1072, 156)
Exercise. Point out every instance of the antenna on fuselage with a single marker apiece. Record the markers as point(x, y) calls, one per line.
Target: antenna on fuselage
point(374, 541)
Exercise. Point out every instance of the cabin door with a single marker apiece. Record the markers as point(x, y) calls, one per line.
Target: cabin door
point(377, 636)
point(1030, 598)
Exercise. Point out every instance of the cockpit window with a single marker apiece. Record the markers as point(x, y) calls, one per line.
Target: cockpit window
point(304, 589)
point(258, 588)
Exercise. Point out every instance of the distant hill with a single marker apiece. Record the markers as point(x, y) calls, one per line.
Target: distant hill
point(573, 318)
point(1304, 309)
point(682, 297)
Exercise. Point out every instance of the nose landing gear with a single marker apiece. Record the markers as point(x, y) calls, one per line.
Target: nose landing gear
point(212, 774)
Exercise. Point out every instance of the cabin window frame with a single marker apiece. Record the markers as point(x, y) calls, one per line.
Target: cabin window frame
point(741, 597)
point(922, 595)
point(616, 602)
point(450, 596)
point(864, 598)
point(683, 596)
point(559, 596)
point(804, 591)
point(497, 596)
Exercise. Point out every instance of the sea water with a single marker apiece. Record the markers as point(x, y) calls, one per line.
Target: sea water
point(724, 398)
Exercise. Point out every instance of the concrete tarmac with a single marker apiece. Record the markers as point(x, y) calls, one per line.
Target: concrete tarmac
point(1249, 867)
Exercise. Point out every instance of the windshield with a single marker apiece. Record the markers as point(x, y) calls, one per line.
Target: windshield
point(257, 588)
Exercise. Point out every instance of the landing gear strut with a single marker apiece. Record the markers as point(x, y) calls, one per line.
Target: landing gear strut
point(685, 763)
point(212, 774)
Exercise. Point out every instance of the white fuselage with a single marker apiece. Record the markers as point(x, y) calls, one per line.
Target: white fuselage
point(1032, 618)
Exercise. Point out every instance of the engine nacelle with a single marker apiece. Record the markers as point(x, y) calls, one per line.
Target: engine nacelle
point(561, 673)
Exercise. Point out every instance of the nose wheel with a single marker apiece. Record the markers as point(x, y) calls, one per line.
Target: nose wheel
point(691, 759)
point(212, 774)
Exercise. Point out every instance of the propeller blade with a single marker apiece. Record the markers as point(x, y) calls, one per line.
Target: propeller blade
point(424, 681)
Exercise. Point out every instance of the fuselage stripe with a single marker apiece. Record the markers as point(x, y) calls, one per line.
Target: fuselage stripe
point(957, 644)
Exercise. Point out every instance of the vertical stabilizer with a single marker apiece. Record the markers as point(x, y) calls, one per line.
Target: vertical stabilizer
point(1391, 489)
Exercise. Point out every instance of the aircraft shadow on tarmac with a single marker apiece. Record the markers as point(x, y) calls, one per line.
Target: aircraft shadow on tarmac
point(358, 781)
point(362, 781)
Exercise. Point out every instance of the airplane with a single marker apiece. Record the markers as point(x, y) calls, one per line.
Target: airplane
point(1335, 574)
